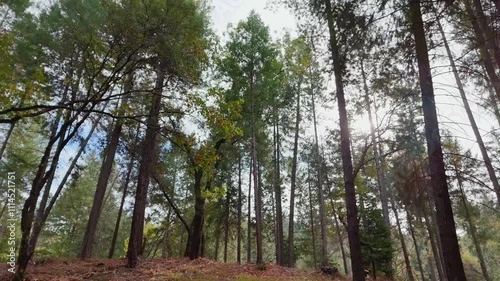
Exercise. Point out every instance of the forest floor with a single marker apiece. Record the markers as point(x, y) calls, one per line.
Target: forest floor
point(48, 269)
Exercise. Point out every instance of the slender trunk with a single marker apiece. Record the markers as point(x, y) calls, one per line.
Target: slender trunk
point(226, 224)
point(6, 141)
point(489, 36)
point(257, 192)
point(217, 242)
point(102, 183)
point(380, 170)
point(279, 211)
point(472, 230)
point(415, 243)
point(477, 134)
point(492, 100)
point(238, 229)
point(311, 215)
point(120, 210)
point(378, 163)
point(339, 237)
point(44, 209)
point(432, 272)
point(483, 48)
point(291, 254)
point(322, 215)
point(28, 243)
point(358, 273)
point(451, 252)
point(145, 168)
point(434, 246)
point(194, 238)
point(409, 270)
point(249, 219)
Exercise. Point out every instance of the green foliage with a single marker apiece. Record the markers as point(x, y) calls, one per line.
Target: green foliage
point(376, 245)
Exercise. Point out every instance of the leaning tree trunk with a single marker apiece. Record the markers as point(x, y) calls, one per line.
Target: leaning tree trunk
point(358, 273)
point(483, 48)
point(145, 168)
point(477, 134)
point(472, 230)
point(291, 257)
point(102, 181)
point(451, 252)
point(120, 210)
point(436, 252)
point(415, 243)
point(409, 270)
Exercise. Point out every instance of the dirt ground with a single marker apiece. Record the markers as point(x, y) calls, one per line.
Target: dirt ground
point(161, 269)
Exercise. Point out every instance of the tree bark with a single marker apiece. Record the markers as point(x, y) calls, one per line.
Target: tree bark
point(451, 252)
point(238, 229)
point(483, 49)
point(145, 168)
point(472, 230)
point(311, 215)
point(378, 163)
point(358, 273)
point(434, 245)
point(415, 243)
point(322, 215)
point(226, 223)
point(120, 210)
point(277, 197)
point(249, 219)
point(291, 249)
point(409, 270)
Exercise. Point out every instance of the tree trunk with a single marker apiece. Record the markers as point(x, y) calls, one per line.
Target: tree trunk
point(358, 273)
point(451, 252)
point(291, 254)
point(472, 230)
point(434, 245)
point(257, 192)
point(102, 183)
point(477, 134)
point(6, 141)
point(145, 169)
point(483, 48)
point(194, 238)
point(409, 270)
point(249, 219)
point(311, 215)
point(226, 223)
point(217, 242)
point(378, 164)
point(27, 245)
point(238, 229)
point(415, 243)
point(489, 36)
point(120, 210)
point(339, 237)
point(322, 215)
point(277, 197)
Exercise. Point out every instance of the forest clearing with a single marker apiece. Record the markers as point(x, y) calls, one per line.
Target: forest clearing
point(250, 140)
